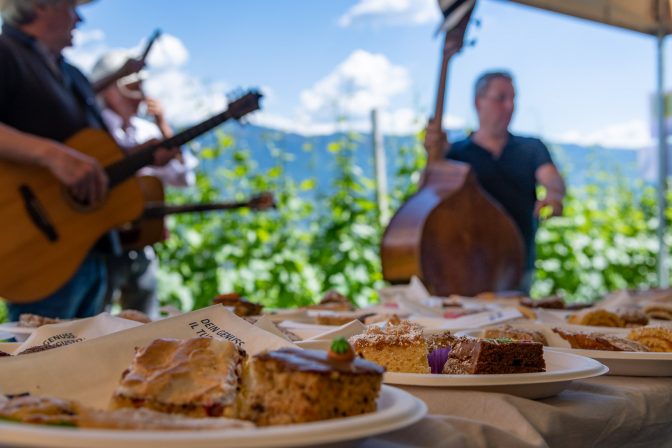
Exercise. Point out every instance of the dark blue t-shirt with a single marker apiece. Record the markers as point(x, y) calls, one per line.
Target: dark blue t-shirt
point(510, 179)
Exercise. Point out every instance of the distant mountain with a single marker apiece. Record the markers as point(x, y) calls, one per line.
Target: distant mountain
point(578, 164)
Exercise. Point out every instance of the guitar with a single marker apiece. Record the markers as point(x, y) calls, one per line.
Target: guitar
point(150, 228)
point(47, 233)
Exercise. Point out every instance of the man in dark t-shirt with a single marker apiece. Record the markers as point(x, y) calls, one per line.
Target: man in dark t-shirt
point(508, 167)
point(43, 101)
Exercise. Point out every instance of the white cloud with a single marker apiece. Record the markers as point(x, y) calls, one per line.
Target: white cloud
point(87, 47)
point(185, 98)
point(344, 98)
point(403, 121)
point(631, 134)
point(392, 12)
point(84, 37)
point(360, 83)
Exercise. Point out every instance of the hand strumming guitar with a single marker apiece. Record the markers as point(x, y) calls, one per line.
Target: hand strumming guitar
point(82, 174)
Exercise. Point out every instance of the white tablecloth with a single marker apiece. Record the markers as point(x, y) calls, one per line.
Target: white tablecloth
point(609, 411)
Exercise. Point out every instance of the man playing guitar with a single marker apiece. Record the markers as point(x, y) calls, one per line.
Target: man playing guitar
point(43, 101)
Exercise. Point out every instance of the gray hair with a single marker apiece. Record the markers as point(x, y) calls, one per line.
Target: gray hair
point(22, 12)
point(483, 81)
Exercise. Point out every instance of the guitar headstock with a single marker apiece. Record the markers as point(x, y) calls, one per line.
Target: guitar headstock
point(244, 104)
point(262, 201)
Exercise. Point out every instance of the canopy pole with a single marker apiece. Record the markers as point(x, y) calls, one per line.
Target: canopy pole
point(663, 276)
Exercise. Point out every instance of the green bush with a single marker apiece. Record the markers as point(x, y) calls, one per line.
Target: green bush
point(315, 241)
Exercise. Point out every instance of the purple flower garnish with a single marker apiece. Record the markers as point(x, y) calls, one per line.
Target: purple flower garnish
point(437, 359)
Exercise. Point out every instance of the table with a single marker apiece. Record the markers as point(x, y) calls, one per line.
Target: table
point(609, 411)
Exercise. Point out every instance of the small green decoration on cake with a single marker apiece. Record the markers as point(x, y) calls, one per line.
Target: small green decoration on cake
point(341, 350)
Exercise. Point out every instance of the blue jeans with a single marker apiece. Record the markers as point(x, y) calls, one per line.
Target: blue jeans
point(81, 296)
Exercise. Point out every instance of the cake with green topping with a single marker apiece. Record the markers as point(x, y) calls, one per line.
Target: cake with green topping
point(295, 386)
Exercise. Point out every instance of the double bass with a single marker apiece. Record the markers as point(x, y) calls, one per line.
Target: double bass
point(451, 234)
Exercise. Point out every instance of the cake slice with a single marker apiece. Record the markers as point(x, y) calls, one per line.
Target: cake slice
point(656, 339)
point(662, 311)
point(599, 341)
point(494, 356)
point(197, 377)
point(398, 348)
point(295, 386)
point(596, 318)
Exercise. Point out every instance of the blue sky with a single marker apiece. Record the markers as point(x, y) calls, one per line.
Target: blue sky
point(577, 81)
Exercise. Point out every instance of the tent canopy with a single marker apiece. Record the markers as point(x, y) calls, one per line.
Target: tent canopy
point(645, 16)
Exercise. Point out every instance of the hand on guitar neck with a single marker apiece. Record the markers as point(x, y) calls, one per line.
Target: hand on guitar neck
point(436, 141)
point(162, 155)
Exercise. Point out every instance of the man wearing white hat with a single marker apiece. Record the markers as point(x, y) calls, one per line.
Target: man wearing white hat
point(134, 272)
point(43, 101)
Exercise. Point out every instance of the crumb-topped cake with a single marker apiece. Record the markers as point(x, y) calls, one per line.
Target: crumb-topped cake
point(294, 386)
point(198, 377)
point(399, 348)
point(517, 334)
point(494, 356)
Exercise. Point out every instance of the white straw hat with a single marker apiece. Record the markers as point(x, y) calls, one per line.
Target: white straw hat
point(112, 61)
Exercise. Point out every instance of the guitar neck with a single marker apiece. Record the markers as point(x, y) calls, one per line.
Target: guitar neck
point(125, 168)
point(452, 45)
point(441, 94)
point(160, 210)
point(141, 157)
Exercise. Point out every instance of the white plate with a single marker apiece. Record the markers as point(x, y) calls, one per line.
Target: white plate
point(561, 369)
point(628, 363)
point(619, 363)
point(19, 333)
point(396, 409)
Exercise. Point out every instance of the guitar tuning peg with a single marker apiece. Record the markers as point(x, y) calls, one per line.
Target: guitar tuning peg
point(471, 42)
point(477, 22)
